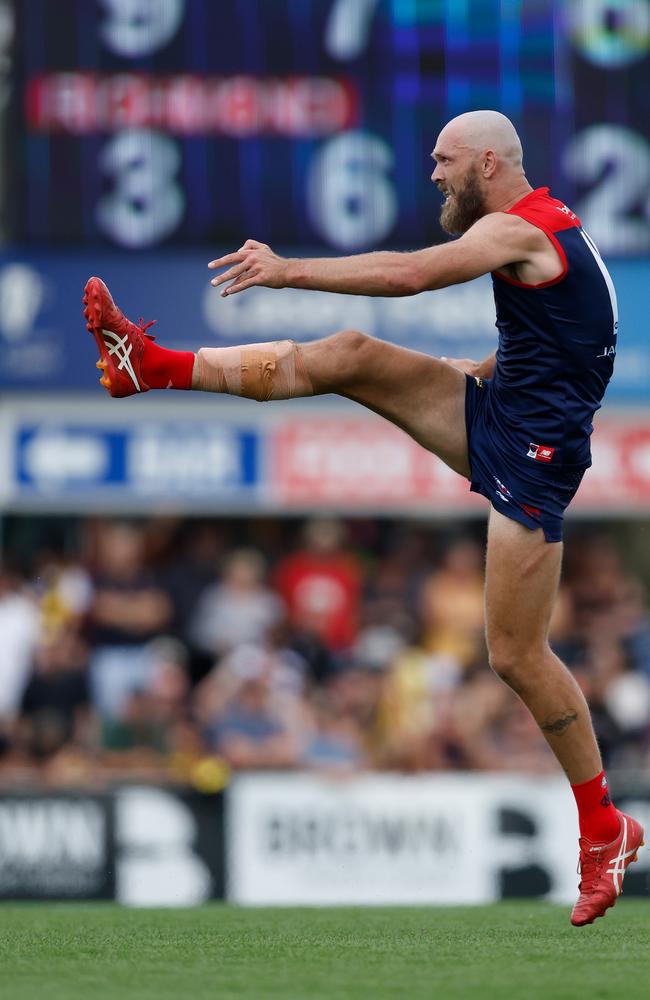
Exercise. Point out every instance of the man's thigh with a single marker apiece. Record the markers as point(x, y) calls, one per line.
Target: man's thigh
point(422, 395)
point(521, 582)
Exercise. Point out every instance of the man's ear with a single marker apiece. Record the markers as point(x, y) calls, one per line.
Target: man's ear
point(489, 164)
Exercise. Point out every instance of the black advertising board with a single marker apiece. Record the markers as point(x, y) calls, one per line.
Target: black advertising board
point(141, 845)
point(56, 847)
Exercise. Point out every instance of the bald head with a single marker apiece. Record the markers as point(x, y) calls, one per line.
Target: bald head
point(480, 131)
point(478, 168)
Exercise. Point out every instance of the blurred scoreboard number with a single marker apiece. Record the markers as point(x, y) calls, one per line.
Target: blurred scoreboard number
point(140, 122)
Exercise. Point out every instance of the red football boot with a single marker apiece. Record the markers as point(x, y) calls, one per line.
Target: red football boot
point(602, 867)
point(121, 343)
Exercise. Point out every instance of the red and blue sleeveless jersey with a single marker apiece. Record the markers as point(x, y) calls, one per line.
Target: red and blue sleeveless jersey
point(557, 343)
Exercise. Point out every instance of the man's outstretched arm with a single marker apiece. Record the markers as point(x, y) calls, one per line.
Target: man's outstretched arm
point(491, 243)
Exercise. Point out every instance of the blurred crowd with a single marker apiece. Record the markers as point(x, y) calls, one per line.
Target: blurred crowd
point(182, 650)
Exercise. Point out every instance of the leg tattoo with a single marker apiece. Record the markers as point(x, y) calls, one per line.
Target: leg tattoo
point(557, 725)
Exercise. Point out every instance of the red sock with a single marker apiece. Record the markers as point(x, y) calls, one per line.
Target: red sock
point(164, 369)
point(597, 816)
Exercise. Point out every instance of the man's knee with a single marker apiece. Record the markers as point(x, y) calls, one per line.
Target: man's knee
point(517, 664)
point(345, 360)
point(350, 342)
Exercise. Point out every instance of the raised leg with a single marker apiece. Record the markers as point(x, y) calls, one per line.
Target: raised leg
point(422, 395)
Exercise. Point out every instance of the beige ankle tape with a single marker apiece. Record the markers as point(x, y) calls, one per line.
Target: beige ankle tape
point(257, 371)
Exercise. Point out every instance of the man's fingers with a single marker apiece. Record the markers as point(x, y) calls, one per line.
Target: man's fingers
point(235, 258)
point(227, 260)
point(240, 277)
point(239, 286)
point(230, 275)
point(245, 268)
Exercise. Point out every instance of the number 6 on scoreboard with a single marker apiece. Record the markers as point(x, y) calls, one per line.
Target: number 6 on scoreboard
point(352, 202)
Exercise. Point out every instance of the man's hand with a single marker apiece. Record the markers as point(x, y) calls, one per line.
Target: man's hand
point(465, 365)
point(479, 369)
point(253, 264)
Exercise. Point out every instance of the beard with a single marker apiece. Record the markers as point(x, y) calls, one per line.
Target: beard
point(462, 209)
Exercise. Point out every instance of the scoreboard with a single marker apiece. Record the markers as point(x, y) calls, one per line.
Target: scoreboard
point(144, 123)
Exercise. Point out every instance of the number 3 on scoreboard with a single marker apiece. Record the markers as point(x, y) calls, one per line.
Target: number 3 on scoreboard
point(146, 204)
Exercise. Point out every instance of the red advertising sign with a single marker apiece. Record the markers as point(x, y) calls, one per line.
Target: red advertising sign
point(619, 478)
point(364, 461)
point(359, 460)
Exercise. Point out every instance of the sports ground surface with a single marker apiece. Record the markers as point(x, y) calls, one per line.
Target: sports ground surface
point(512, 950)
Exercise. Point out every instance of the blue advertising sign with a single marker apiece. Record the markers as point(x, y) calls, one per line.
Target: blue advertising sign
point(44, 344)
point(186, 460)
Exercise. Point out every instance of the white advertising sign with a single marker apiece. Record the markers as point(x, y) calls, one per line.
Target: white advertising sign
point(157, 861)
point(300, 839)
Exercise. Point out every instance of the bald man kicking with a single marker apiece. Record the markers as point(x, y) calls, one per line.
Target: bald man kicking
point(517, 425)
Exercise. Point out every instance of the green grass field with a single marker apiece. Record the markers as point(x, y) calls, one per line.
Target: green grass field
point(512, 950)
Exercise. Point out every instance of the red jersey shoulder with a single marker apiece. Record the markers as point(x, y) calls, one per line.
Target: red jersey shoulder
point(544, 211)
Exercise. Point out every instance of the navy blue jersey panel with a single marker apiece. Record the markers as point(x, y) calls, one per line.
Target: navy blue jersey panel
point(557, 344)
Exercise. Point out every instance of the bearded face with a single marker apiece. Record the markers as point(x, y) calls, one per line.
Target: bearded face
point(465, 206)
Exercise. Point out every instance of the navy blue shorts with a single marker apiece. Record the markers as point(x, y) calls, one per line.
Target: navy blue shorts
point(534, 493)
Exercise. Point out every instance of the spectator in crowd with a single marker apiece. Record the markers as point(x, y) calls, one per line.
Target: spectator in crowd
point(240, 609)
point(333, 742)
point(189, 568)
point(156, 737)
point(608, 600)
point(354, 696)
point(414, 699)
point(128, 609)
point(394, 579)
point(321, 585)
point(620, 695)
point(509, 741)
point(150, 714)
point(248, 717)
point(451, 603)
point(55, 703)
point(19, 631)
point(64, 592)
point(602, 590)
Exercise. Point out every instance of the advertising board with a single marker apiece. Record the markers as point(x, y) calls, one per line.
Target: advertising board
point(290, 458)
point(56, 847)
point(148, 459)
point(139, 845)
point(304, 840)
point(285, 839)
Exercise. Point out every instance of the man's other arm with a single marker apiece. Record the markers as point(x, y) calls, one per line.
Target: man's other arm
point(493, 242)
